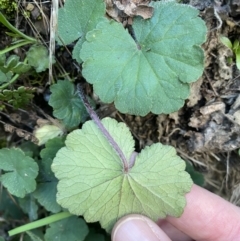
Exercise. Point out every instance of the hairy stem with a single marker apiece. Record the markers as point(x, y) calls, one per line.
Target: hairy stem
point(104, 131)
point(132, 159)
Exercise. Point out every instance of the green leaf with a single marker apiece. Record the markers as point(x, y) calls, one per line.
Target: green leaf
point(30, 149)
point(19, 97)
point(92, 182)
point(38, 57)
point(75, 19)
point(5, 77)
point(66, 104)
point(46, 196)
point(47, 183)
point(20, 172)
point(29, 206)
point(226, 41)
point(35, 235)
point(2, 59)
point(47, 132)
point(2, 239)
point(151, 73)
point(9, 207)
point(71, 229)
point(92, 236)
point(51, 149)
point(196, 176)
point(238, 58)
point(236, 45)
point(14, 65)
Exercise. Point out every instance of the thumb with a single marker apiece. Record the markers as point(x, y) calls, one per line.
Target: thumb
point(137, 227)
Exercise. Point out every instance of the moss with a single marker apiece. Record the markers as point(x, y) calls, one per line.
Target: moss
point(8, 7)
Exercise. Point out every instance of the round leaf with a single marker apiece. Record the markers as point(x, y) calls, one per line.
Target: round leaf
point(67, 106)
point(46, 189)
point(29, 206)
point(150, 70)
point(38, 57)
point(92, 181)
point(71, 229)
point(21, 172)
point(75, 19)
point(47, 132)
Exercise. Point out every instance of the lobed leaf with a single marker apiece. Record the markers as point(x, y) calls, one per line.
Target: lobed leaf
point(66, 104)
point(29, 206)
point(92, 182)
point(150, 70)
point(72, 228)
point(14, 65)
point(20, 172)
point(38, 58)
point(30, 149)
point(75, 19)
point(9, 206)
point(46, 189)
point(51, 149)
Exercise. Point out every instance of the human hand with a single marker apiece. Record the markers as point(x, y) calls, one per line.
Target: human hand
point(206, 217)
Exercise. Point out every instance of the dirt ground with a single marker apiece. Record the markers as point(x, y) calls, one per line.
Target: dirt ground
point(206, 131)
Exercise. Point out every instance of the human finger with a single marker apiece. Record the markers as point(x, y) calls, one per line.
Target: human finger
point(172, 232)
point(137, 227)
point(208, 217)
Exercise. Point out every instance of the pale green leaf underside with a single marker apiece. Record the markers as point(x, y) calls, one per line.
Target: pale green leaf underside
point(20, 172)
point(154, 78)
point(92, 182)
point(47, 132)
point(76, 18)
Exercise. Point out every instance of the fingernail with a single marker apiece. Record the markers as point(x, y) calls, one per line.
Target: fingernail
point(137, 227)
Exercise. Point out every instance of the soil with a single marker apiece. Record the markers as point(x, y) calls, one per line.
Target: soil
point(205, 132)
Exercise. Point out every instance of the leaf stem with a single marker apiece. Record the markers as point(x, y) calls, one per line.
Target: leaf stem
point(8, 49)
point(13, 79)
point(39, 223)
point(5, 22)
point(104, 131)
